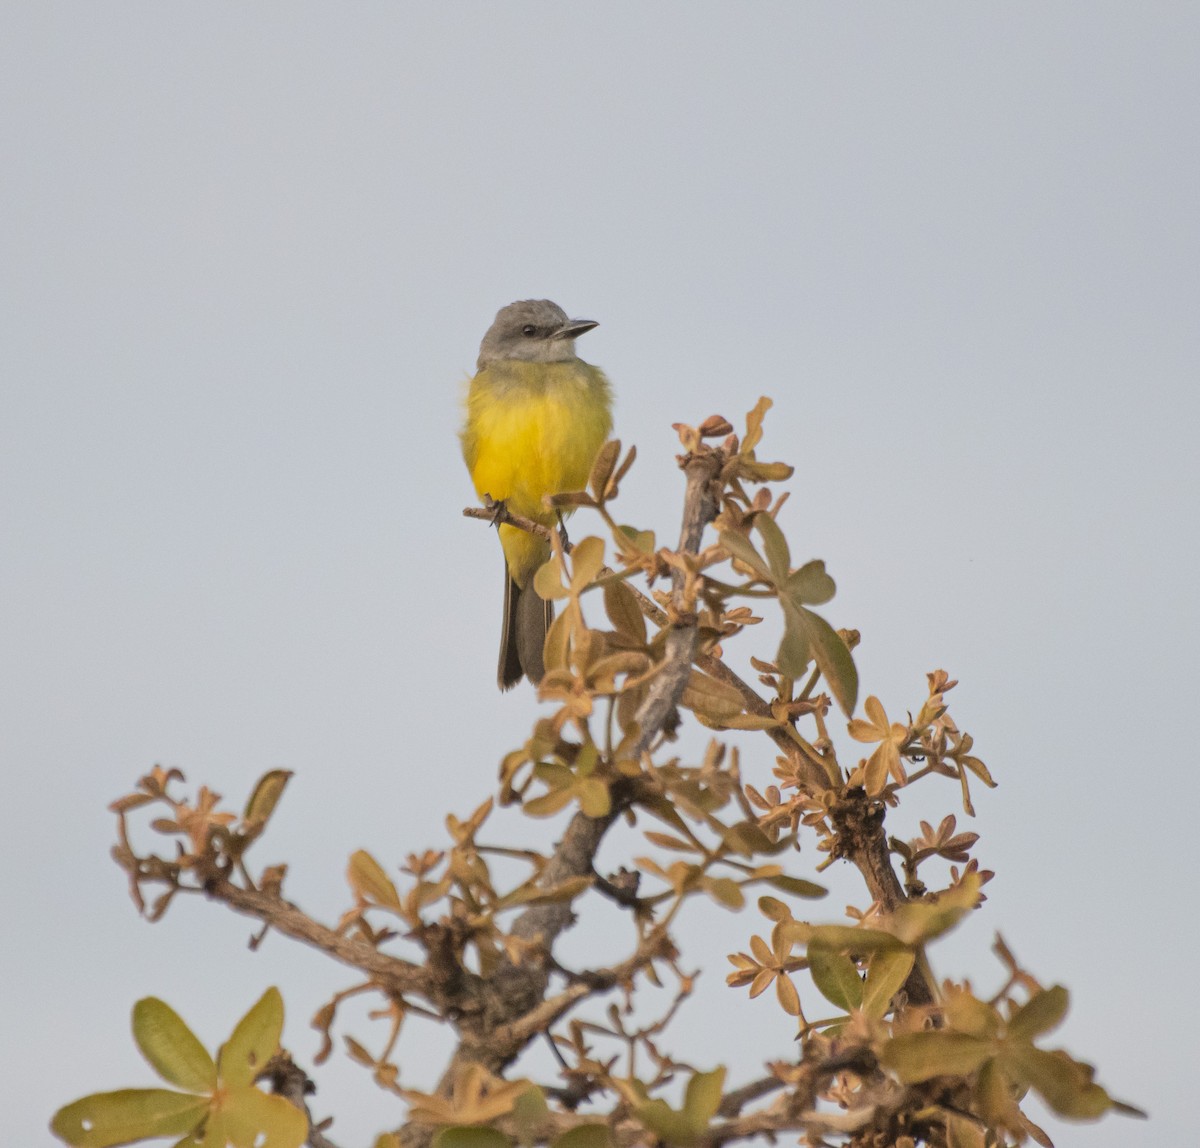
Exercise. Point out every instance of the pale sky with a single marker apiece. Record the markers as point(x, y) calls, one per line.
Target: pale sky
point(246, 257)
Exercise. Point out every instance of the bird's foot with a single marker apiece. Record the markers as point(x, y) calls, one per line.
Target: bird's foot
point(562, 533)
point(497, 507)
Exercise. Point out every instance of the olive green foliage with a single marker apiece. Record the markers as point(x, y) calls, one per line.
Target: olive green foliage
point(886, 1051)
point(214, 1101)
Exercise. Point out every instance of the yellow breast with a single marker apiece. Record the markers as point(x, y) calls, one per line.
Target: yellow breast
point(533, 429)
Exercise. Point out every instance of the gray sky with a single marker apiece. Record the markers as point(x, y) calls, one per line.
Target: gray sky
point(246, 257)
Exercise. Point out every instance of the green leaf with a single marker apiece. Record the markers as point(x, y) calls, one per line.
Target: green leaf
point(587, 759)
point(703, 1097)
point(1065, 1084)
point(213, 1134)
point(638, 541)
point(795, 651)
point(369, 881)
point(754, 471)
point(921, 921)
point(965, 1012)
point(254, 1041)
point(554, 773)
point(266, 796)
point(832, 657)
point(886, 975)
point(529, 1112)
point(740, 547)
point(464, 1136)
point(593, 796)
point(725, 891)
point(775, 546)
point(995, 1095)
point(670, 1126)
point(837, 978)
point(255, 1119)
point(172, 1049)
point(548, 804)
point(1041, 1013)
point(798, 887)
point(841, 938)
point(917, 1056)
point(810, 585)
point(109, 1118)
point(585, 1136)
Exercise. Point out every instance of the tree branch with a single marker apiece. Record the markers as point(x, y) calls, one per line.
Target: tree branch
point(577, 850)
point(392, 974)
point(516, 990)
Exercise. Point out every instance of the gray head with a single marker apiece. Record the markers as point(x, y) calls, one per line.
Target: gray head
point(534, 331)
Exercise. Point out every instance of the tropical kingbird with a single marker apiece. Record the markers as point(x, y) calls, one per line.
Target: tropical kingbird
point(536, 417)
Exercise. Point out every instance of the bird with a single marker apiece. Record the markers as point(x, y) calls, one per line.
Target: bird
point(536, 416)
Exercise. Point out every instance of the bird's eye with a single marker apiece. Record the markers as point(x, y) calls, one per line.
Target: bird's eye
point(529, 330)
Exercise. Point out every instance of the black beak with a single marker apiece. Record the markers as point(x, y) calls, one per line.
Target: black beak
point(573, 328)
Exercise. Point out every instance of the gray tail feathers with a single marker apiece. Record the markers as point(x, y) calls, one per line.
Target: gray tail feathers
point(526, 620)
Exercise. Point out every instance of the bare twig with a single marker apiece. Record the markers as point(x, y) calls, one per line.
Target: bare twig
point(499, 515)
point(392, 974)
point(733, 1102)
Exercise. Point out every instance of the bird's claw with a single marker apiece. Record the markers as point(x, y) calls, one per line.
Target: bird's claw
point(497, 507)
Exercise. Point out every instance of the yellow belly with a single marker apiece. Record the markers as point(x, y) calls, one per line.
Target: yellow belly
point(533, 429)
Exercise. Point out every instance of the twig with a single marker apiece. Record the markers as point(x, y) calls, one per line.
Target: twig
point(733, 1102)
point(392, 974)
point(500, 515)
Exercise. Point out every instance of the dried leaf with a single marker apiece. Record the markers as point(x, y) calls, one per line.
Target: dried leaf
point(548, 581)
point(710, 698)
point(754, 421)
point(602, 468)
point(587, 558)
point(621, 606)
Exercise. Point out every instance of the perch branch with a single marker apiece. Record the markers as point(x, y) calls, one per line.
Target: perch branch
point(392, 974)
